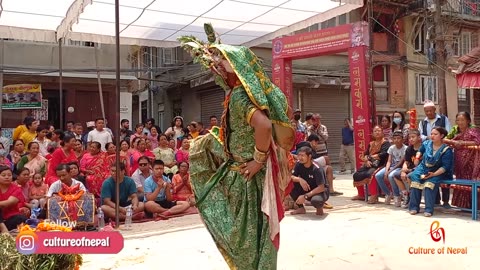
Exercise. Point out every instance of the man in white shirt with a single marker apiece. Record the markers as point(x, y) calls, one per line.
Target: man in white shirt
point(432, 119)
point(141, 174)
point(99, 134)
point(63, 173)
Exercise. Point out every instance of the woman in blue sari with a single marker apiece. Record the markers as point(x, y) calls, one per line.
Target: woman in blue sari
point(435, 163)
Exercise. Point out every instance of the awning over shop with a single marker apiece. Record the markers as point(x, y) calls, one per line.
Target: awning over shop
point(159, 23)
point(469, 80)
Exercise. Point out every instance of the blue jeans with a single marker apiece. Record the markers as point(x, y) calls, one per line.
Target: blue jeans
point(416, 197)
point(383, 186)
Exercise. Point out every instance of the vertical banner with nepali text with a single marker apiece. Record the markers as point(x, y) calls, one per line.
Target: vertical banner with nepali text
point(360, 100)
point(22, 96)
point(282, 77)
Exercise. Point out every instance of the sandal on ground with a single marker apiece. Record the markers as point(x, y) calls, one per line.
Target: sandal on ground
point(336, 193)
point(413, 212)
point(373, 200)
point(358, 198)
point(327, 206)
point(427, 214)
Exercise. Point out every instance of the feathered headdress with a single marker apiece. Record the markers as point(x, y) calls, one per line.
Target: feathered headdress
point(204, 53)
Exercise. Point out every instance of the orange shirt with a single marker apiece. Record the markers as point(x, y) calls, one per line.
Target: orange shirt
point(38, 191)
point(186, 190)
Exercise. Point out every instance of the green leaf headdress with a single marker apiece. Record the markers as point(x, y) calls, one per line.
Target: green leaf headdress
point(265, 95)
point(204, 53)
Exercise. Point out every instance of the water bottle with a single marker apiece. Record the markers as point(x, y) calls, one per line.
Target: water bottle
point(101, 219)
point(128, 219)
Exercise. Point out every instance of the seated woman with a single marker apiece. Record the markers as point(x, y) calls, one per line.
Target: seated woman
point(436, 164)
point(11, 200)
point(467, 160)
point(166, 154)
point(111, 156)
point(24, 182)
point(182, 154)
point(182, 188)
point(95, 167)
point(61, 155)
point(33, 160)
point(375, 158)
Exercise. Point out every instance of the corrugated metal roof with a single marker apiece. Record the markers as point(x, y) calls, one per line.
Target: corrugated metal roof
point(471, 61)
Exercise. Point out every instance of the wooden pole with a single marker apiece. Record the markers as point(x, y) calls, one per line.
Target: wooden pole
point(60, 80)
point(117, 114)
point(440, 55)
point(100, 90)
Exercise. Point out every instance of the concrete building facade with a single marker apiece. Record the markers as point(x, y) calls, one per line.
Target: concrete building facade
point(38, 63)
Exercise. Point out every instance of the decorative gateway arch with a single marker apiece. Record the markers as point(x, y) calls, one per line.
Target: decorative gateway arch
point(351, 38)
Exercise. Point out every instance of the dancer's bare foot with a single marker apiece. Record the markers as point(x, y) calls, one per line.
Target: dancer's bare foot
point(299, 211)
point(319, 211)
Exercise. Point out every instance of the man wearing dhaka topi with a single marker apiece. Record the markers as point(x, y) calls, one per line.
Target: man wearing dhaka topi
point(240, 172)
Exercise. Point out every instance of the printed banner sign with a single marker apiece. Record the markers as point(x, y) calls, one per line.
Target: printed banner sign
point(360, 101)
point(22, 96)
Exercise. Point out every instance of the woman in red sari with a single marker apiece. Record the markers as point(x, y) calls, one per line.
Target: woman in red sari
point(94, 166)
point(112, 155)
point(140, 151)
point(64, 154)
point(467, 160)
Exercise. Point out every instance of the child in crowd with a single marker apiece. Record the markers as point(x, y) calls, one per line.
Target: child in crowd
point(37, 192)
point(396, 157)
point(386, 125)
point(401, 177)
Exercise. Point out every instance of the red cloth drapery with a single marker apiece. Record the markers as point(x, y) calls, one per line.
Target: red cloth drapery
point(469, 80)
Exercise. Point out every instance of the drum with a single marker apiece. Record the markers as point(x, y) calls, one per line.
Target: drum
point(83, 210)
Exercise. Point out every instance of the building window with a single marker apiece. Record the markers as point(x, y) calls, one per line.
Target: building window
point(169, 56)
point(465, 42)
point(144, 110)
point(146, 56)
point(336, 21)
point(463, 100)
point(77, 43)
point(177, 107)
point(427, 88)
point(380, 83)
point(419, 38)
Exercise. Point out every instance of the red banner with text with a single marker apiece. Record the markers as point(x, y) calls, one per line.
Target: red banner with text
point(361, 106)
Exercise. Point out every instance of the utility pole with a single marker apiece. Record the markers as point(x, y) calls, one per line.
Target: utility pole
point(440, 55)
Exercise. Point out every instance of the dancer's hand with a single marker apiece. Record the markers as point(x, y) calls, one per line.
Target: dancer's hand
point(249, 169)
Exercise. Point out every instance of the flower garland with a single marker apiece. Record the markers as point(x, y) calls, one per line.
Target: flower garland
point(45, 227)
point(70, 195)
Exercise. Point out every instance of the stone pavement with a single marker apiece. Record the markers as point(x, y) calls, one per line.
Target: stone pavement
point(352, 234)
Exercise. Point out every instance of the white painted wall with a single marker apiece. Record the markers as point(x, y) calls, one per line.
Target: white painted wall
point(126, 106)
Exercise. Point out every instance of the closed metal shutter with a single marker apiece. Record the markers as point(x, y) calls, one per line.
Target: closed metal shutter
point(211, 103)
point(333, 105)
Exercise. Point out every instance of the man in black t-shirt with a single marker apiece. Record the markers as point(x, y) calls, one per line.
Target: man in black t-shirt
point(309, 183)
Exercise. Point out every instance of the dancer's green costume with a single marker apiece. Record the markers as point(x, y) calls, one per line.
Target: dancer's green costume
point(242, 216)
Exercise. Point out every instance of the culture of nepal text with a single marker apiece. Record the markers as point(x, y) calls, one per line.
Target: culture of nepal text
point(441, 250)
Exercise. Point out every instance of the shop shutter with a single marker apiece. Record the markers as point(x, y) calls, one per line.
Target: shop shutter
point(211, 104)
point(333, 105)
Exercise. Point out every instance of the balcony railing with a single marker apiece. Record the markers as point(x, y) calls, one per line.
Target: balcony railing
point(463, 7)
point(453, 7)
